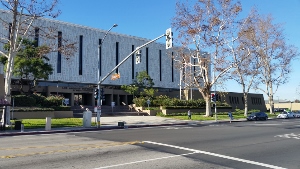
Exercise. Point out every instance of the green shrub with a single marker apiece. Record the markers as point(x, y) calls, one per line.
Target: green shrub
point(152, 108)
point(160, 114)
point(140, 102)
point(161, 100)
point(32, 109)
point(39, 99)
point(53, 100)
point(24, 101)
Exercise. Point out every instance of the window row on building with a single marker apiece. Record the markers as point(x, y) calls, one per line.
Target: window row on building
point(236, 100)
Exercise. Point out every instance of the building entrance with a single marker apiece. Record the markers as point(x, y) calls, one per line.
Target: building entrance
point(77, 99)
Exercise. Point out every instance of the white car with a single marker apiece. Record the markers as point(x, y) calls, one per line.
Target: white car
point(286, 115)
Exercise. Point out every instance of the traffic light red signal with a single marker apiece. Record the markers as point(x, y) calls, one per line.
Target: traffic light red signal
point(214, 97)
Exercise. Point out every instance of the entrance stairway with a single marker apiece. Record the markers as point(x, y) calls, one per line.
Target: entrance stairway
point(107, 111)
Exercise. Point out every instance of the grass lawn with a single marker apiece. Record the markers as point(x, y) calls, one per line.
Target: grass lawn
point(76, 122)
point(55, 123)
point(219, 117)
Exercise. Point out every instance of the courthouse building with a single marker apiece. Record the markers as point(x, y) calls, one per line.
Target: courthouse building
point(75, 77)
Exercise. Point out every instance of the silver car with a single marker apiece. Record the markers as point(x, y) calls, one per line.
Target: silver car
point(286, 115)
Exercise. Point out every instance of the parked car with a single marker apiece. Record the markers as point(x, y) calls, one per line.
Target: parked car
point(286, 115)
point(257, 116)
point(297, 114)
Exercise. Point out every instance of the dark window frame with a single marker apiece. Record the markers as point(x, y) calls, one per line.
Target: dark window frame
point(147, 61)
point(80, 53)
point(132, 62)
point(100, 56)
point(59, 44)
point(160, 66)
point(117, 56)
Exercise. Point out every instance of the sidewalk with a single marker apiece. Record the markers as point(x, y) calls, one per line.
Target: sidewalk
point(108, 123)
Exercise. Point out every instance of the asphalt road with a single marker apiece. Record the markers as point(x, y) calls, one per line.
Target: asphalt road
point(241, 145)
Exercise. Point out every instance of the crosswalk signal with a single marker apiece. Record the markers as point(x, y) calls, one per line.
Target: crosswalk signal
point(96, 94)
point(169, 38)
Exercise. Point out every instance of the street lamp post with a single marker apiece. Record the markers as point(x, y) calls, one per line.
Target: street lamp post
point(180, 83)
point(215, 86)
point(191, 87)
point(116, 67)
point(278, 102)
point(99, 100)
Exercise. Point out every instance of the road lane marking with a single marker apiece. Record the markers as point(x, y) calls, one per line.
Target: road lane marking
point(142, 161)
point(216, 155)
point(291, 135)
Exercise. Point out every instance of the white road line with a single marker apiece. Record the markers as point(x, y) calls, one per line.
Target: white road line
point(142, 161)
point(217, 155)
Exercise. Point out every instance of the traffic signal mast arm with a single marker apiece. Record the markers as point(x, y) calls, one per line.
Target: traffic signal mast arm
point(138, 48)
point(99, 98)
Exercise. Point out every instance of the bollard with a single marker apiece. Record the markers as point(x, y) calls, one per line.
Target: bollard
point(48, 123)
point(22, 127)
point(87, 119)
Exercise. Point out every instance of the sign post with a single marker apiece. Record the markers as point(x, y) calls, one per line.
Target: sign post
point(148, 102)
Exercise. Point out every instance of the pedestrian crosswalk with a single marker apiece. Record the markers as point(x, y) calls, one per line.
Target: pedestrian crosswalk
point(290, 135)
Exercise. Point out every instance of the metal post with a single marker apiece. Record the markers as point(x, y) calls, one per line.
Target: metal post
point(180, 79)
point(57, 88)
point(191, 87)
point(278, 102)
point(215, 102)
point(99, 100)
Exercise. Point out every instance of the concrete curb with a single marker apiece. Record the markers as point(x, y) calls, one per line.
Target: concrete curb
point(85, 129)
point(103, 127)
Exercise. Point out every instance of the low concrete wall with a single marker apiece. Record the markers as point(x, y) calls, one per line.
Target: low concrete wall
point(63, 114)
point(292, 106)
point(171, 111)
point(42, 114)
point(151, 112)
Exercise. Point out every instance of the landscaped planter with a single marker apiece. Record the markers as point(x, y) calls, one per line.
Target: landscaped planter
point(41, 114)
point(152, 112)
point(172, 111)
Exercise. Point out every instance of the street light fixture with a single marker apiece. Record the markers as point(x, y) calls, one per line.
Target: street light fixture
point(99, 100)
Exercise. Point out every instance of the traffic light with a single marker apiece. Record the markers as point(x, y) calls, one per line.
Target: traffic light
point(138, 55)
point(96, 94)
point(217, 97)
point(169, 38)
point(102, 96)
point(213, 97)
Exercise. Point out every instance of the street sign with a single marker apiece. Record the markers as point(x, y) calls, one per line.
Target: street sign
point(148, 102)
point(66, 101)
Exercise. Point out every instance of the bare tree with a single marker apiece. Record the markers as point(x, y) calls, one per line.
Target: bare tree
point(247, 64)
point(274, 54)
point(207, 29)
point(19, 18)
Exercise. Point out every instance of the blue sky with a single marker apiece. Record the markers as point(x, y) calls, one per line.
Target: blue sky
point(150, 18)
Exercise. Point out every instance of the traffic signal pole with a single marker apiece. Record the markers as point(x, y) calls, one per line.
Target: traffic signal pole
point(99, 100)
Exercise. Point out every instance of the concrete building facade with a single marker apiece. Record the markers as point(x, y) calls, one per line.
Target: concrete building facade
point(75, 77)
